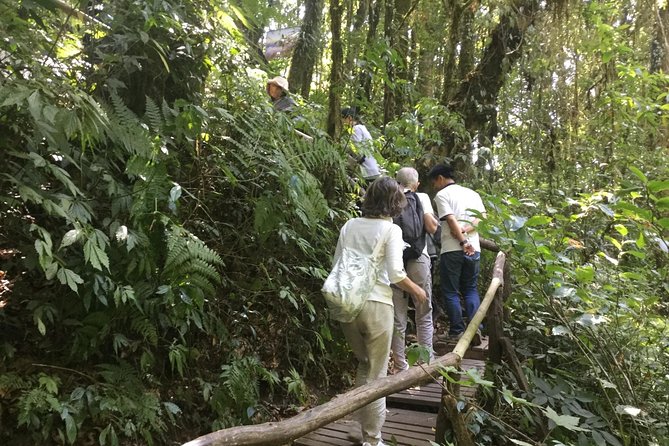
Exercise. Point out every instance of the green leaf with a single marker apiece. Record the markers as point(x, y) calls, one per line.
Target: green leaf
point(640, 175)
point(95, 256)
point(622, 230)
point(631, 275)
point(664, 222)
point(585, 274)
point(566, 421)
point(172, 408)
point(515, 222)
point(70, 428)
point(657, 186)
point(70, 278)
point(538, 220)
point(662, 203)
point(70, 237)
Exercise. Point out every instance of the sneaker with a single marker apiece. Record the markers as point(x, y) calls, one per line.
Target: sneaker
point(367, 443)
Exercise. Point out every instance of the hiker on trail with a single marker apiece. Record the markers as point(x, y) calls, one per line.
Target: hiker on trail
point(460, 248)
point(416, 220)
point(363, 148)
point(370, 333)
point(277, 89)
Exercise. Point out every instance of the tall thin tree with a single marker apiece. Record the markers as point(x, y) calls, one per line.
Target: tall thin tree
point(306, 52)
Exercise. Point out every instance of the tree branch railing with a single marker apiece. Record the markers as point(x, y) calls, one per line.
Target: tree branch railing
point(281, 432)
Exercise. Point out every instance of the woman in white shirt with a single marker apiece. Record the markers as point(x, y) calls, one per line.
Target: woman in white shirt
point(362, 140)
point(370, 334)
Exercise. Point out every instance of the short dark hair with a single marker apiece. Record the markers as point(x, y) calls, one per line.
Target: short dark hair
point(444, 170)
point(384, 198)
point(350, 112)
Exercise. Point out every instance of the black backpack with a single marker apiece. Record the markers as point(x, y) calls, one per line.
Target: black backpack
point(413, 227)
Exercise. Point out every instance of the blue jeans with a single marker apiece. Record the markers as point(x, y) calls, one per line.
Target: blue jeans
point(459, 274)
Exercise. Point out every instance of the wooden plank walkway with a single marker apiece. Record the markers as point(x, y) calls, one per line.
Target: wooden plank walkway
point(411, 414)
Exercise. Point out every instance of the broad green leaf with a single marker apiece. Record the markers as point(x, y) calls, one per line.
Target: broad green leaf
point(641, 241)
point(560, 330)
point(70, 428)
point(566, 421)
point(622, 230)
point(70, 237)
point(538, 220)
point(640, 175)
point(637, 254)
point(664, 222)
point(564, 291)
point(35, 105)
point(631, 275)
point(40, 326)
point(515, 222)
point(658, 186)
point(611, 439)
point(172, 408)
point(585, 274)
point(662, 203)
point(590, 320)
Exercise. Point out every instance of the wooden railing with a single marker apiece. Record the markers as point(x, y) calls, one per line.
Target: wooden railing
point(282, 432)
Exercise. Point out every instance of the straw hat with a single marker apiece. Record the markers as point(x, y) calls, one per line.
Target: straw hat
point(280, 82)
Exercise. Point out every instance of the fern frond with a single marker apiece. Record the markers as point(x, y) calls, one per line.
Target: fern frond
point(144, 328)
point(153, 115)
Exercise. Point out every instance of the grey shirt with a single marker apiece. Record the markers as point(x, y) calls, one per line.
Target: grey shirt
point(284, 103)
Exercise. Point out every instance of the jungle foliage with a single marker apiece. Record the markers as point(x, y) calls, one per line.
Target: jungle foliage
point(164, 233)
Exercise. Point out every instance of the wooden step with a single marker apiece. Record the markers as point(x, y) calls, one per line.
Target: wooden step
point(480, 352)
point(405, 427)
point(428, 396)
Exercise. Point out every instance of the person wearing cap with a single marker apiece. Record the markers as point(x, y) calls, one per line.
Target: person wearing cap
point(362, 140)
point(277, 89)
point(458, 209)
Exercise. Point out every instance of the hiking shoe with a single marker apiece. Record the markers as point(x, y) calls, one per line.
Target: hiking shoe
point(449, 337)
point(476, 340)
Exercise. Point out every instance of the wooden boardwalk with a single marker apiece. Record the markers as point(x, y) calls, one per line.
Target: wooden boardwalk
point(411, 415)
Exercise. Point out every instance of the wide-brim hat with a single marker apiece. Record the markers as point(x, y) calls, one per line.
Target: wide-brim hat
point(280, 82)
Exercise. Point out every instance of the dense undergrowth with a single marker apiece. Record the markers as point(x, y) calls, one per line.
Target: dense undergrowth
point(163, 244)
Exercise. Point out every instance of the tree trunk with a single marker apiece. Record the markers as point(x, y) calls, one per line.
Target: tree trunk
point(355, 39)
point(403, 9)
point(476, 97)
point(449, 83)
point(306, 52)
point(659, 52)
point(389, 85)
point(365, 91)
point(334, 97)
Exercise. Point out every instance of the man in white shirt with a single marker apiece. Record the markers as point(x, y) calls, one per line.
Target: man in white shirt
point(418, 270)
point(364, 145)
point(458, 209)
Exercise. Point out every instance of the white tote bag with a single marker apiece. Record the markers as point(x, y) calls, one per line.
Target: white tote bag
point(351, 281)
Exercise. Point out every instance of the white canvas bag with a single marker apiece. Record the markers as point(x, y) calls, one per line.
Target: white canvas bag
point(351, 280)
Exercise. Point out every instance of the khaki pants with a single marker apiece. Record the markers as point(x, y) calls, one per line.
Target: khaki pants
point(369, 337)
point(418, 270)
